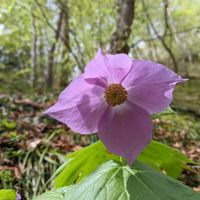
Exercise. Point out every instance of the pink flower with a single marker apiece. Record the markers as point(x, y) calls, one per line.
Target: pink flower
point(115, 97)
point(18, 196)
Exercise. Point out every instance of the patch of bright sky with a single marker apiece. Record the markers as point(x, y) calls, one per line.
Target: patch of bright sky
point(51, 5)
point(4, 30)
point(1, 28)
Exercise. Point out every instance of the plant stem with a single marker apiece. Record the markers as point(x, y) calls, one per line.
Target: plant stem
point(123, 161)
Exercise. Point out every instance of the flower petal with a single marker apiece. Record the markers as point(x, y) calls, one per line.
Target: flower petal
point(125, 130)
point(120, 65)
point(151, 85)
point(97, 69)
point(80, 106)
point(107, 68)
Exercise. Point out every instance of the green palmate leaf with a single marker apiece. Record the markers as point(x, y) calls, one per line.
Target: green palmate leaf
point(168, 111)
point(112, 181)
point(51, 195)
point(165, 158)
point(7, 194)
point(83, 162)
point(59, 170)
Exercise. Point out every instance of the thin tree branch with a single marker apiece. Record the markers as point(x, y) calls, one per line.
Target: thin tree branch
point(163, 36)
point(162, 39)
point(72, 32)
point(34, 50)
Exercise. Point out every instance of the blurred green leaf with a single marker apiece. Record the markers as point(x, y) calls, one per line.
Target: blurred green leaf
point(83, 162)
point(51, 195)
point(165, 158)
point(9, 125)
point(112, 181)
point(6, 179)
point(7, 194)
point(168, 111)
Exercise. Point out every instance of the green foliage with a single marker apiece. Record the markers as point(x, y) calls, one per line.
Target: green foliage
point(8, 125)
point(164, 158)
point(91, 24)
point(6, 194)
point(39, 163)
point(185, 126)
point(6, 179)
point(52, 195)
point(112, 181)
point(17, 81)
point(96, 21)
point(168, 111)
point(187, 96)
point(83, 162)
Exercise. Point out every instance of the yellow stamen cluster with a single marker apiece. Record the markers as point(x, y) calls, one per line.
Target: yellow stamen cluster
point(115, 94)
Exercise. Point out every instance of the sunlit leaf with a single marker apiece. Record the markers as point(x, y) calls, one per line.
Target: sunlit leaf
point(7, 194)
point(9, 125)
point(83, 162)
point(165, 158)
point(112, 181)
point(51, 195)
point(168, 111)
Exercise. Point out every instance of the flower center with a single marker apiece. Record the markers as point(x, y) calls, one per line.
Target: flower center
point(115, 94)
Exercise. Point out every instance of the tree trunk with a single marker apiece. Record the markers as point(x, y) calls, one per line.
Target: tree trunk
point(119, 39)
point(50, 71)
point(73, 54)
point(64, 33)
point(34, 52)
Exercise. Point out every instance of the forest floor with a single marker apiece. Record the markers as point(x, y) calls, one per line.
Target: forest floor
point(33, 145)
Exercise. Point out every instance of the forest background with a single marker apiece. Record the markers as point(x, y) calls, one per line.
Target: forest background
point(44, 44)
